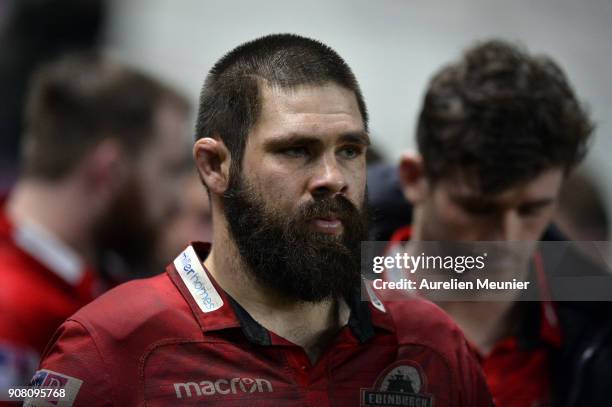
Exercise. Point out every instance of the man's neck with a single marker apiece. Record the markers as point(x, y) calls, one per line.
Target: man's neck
point(483, 323)
point(55, 208)
point(309, 325)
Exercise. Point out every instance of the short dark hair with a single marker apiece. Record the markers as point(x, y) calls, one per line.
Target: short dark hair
point(80, 99)
point(230, 101)
point(502, 115)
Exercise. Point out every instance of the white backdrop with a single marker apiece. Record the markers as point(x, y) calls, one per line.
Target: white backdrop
point(393, 46)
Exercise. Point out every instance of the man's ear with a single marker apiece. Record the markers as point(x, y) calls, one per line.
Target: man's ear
point(412, 177)
point(213, 161)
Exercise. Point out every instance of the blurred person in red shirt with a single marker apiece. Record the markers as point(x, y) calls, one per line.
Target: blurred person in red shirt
point(100, 147)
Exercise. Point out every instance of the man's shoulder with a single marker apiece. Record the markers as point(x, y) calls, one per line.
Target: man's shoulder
point(19, 270)
point(102, 346)
point(427, 336)
point(47, 293)
point(418, 320)
point(144, 309)
point(13, 260)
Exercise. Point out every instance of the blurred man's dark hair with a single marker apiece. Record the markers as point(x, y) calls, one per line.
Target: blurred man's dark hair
point(503, 116)
point(78, 101)
point(231, 99)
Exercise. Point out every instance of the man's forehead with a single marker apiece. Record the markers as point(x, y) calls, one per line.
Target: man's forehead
point(544, 185)
point(296, 96)
point(308, 108)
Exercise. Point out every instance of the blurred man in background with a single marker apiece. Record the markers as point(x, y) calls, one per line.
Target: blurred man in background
point(100, 147)
point(498, 133)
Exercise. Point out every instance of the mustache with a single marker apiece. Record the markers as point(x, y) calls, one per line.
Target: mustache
point(337, 207)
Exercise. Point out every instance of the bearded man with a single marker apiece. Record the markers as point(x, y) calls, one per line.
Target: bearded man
point(272, 312)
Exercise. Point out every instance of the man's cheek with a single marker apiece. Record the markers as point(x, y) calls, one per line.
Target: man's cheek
point(453, 216)
point(456, 224)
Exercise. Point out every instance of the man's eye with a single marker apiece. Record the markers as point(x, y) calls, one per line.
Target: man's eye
point(295, 152)
point(478, 210)
point(530, 211)
point(351, 152)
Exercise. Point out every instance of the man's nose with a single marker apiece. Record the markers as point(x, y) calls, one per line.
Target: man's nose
point(507, 226)
point(328, 178)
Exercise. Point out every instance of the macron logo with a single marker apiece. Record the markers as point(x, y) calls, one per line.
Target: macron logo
point(199, 285)
point(222, 386)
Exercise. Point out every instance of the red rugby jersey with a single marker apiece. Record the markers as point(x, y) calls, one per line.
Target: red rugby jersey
point(179, 339)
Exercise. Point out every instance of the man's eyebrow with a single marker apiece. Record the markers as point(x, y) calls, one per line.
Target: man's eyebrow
point(291, 140)
point(479, 201)
point(474, 200)
point(359, 137)
point(539, 202)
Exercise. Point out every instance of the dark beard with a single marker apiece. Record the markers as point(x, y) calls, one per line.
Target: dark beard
point(286, 255)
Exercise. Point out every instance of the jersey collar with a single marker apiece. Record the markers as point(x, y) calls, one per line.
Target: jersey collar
point(46, 248)
point(216, 310)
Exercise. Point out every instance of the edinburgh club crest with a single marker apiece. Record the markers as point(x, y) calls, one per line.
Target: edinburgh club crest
point(400, 385)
